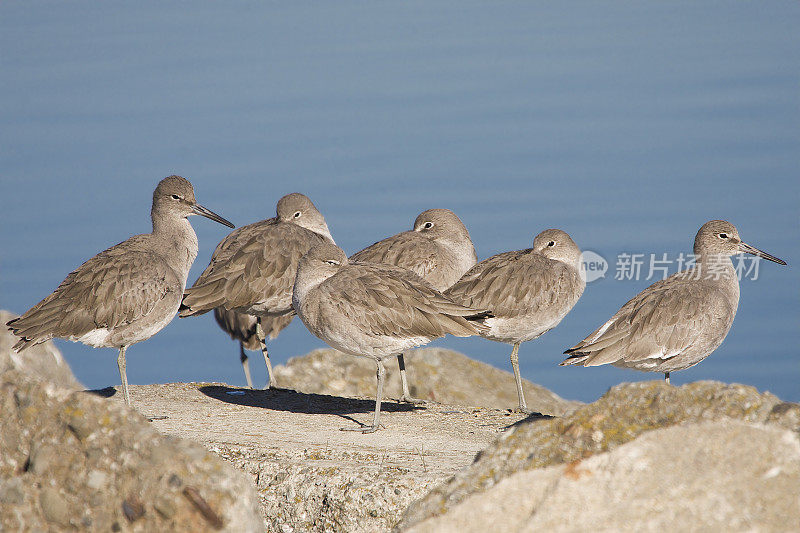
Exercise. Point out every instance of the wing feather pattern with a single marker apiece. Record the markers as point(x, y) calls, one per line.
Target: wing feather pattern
point(112, 289)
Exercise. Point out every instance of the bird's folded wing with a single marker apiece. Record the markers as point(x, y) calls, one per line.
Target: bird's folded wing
point(108, 291)
point(659, 323)
point(516, 283)
point(261, 271)
point(408, 250)
point(390, 301)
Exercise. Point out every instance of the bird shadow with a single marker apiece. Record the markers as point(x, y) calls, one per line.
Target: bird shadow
point(533, 417)
point(300, 402)
point(106, 392)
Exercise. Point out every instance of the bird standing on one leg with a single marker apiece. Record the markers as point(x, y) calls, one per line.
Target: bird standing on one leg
point(529, 292)
point(438, 249)
point(679, 321)
point(129, 292)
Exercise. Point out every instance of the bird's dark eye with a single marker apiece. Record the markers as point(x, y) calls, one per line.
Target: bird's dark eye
point(551, 243)
point(723, 235)
point(332, 262)
point(297, 215)
point(176, 197)
point(428, 225)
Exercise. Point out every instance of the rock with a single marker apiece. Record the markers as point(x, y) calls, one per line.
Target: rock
point(712, 476)
point(43, 361)
point(621, 415)
point(11, 491)
point(437, 374)
point(310, 475)
point(73, 460)
point(54, 508)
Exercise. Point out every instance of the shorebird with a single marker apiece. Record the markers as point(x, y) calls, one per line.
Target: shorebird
point(242, 328)
point(529, 292)
point(677, 322)
point(129, 292)
point(374, 310)
point(438, 249)
point(253, 269)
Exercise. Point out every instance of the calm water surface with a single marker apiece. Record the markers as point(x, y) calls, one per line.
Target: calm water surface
point(626, 124)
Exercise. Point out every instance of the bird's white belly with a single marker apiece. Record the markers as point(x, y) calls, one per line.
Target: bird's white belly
point(517, 329)
point(368, 346)
point(140, 333)
point(95, 338)
point(137, 331)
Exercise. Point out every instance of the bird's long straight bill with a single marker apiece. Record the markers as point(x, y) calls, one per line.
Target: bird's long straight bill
point(758, 253)
point(198, 209)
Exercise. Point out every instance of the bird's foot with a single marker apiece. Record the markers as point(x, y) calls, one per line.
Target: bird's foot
point(158, 417)
point(410, 399)
point(522, 411)
point(364, 428)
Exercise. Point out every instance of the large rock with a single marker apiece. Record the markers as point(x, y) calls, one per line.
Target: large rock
point(712, 476)
point(71, 460)
point(437, 374)
point(621, 415)
point(43, 361)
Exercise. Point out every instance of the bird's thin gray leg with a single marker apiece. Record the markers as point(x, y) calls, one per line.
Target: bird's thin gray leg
point(245, 365)
point(666, 378)
point(381, 375)
point(523, 407)
point(123, 375)
point(262, 338)
point(406, 397)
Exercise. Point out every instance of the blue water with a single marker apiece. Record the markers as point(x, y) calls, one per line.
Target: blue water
point(626, 124)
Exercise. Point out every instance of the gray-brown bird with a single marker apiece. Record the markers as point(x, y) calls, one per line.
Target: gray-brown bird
point(438, 249)
point(253, 269)
point(129, 292)
point(677, 322)
point(374, 310)
point(529, 292)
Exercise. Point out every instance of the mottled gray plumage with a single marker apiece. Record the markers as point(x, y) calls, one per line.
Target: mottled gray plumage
point(438, 249)
point(374, 310)
point(529, 291)
point(253, 269)
point(129, 292)
point(677, 322)
point(243, 328)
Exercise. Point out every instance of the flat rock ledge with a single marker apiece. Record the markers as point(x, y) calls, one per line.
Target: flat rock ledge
point(310, 475)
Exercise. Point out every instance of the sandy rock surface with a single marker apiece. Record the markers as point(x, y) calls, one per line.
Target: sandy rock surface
point(436, 374)
point(621, 415)
point(310, 475)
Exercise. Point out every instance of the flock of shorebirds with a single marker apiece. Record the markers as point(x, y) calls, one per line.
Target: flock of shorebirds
point(401, 292)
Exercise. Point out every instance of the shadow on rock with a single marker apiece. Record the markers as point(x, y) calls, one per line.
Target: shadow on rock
point(107, 392)
point(300, 402)
point(533, 417)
